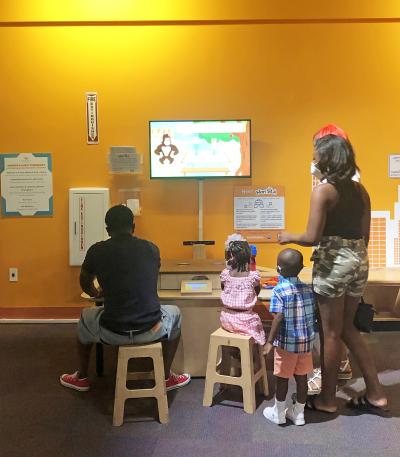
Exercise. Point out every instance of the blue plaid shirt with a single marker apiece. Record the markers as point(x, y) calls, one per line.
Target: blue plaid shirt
point(295, 300)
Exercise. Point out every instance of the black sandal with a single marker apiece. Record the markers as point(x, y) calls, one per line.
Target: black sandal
point(363, 405)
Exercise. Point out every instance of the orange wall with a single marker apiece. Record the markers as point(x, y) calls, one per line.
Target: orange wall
point(288, 78)
point(80, 10)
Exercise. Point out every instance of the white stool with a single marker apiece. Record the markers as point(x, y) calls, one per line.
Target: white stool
point(248, 379)
point(154, 351)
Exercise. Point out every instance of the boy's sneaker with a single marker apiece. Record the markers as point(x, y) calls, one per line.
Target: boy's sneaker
point(294, 416)
point(177, 380)
point(73, 382)
point(271, 413)
point(345, 370)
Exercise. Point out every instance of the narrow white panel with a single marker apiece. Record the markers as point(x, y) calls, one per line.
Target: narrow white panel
point(87, 208)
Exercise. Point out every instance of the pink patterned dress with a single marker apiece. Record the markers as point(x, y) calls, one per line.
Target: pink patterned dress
point(239, 298)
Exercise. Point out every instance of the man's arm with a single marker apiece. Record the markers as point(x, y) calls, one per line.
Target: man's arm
point(86, 280)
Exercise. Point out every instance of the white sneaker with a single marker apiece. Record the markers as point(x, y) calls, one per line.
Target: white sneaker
point(296, 417)
point(271, 413)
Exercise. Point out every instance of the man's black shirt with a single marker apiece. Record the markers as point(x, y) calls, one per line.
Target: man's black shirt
point(126, 268)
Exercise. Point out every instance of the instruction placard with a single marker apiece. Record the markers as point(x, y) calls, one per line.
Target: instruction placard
point(259, 212)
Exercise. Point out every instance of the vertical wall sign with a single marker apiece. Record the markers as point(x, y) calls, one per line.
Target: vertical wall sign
point(26, 184)
point(259, 212)
point(91, 118)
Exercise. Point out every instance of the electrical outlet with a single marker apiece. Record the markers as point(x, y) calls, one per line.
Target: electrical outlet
point(13, 274)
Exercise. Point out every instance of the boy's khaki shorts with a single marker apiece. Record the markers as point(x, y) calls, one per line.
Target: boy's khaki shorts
point(287, 364)
point(340, 267)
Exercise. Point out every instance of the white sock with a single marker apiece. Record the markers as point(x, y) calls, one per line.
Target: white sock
point(298, 407)
point(280, 406)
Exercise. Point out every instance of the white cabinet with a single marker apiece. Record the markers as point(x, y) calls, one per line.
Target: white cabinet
point(87, 208)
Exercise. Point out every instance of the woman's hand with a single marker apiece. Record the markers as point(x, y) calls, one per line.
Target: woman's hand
point(284, 238)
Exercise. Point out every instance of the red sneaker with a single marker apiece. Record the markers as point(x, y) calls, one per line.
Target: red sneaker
point(73, 382)
point(177, 380)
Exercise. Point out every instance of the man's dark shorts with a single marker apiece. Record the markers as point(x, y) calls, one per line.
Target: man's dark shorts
point(90, 330)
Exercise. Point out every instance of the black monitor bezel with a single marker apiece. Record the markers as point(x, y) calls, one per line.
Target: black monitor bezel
point(200, 177)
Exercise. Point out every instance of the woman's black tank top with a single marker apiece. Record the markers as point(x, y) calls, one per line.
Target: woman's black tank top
point(345, 218)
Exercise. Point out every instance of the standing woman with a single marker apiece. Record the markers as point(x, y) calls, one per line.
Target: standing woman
point(339, 220)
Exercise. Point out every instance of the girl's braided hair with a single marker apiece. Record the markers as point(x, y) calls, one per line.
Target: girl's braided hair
point(239, 255)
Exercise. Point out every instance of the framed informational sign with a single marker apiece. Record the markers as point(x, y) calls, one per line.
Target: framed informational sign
point(259, 212)
point(125, 159)
point(26, 184)
point(394, 165)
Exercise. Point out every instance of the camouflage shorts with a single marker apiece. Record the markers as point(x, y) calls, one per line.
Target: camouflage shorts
point(340, 267)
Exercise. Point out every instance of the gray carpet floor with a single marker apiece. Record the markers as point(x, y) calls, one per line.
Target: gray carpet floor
point(40, 418)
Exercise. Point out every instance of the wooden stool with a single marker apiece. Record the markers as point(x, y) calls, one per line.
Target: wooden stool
point(248, 379)
point(154, 351)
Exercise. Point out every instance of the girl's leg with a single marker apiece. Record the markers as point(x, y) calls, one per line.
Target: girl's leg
point(331, 325)
point(354, 341)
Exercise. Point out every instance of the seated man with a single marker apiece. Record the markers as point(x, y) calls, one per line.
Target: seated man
point(126, 268)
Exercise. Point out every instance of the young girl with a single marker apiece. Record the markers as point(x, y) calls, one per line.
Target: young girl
point(240, 288)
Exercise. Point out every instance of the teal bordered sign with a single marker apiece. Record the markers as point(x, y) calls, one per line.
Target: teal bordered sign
point(26, 184)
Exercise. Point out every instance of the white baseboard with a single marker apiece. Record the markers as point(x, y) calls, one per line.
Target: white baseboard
point(39, 321)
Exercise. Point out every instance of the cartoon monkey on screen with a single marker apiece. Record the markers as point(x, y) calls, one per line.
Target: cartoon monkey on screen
point(166, 149)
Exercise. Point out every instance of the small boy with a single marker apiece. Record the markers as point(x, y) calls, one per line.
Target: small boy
point(292, 334)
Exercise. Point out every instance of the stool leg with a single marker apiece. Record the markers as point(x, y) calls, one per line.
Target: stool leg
point(264, 379)
point(159, 379)
point(248, 386)
point(211, 370)
point(120, 389)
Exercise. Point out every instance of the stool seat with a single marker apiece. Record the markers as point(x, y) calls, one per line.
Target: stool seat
point(125, 353)
point(248, 379)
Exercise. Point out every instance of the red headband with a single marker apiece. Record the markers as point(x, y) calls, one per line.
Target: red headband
point(331, 129)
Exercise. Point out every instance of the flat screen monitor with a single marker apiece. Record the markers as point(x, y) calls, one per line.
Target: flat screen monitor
point(200, 149)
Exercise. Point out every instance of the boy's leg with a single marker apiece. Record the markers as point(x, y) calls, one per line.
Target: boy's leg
point(295, 413)
point(276, 413)
point(281, 388)
point(301, 384)
point(284, 364)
